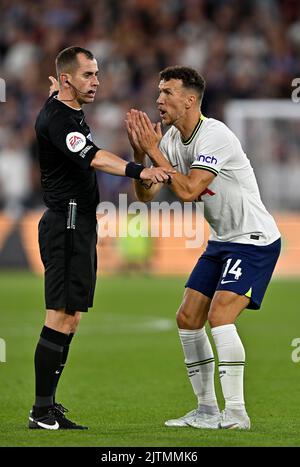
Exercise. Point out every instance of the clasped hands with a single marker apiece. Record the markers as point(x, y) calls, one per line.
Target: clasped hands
point(144, 138)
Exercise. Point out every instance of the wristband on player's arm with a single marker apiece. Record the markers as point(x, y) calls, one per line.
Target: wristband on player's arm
point(133, 170)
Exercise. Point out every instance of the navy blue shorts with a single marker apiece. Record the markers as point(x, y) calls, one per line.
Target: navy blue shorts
point(241, 268)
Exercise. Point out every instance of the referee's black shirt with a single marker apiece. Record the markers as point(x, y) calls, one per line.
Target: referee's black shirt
point(65, 152)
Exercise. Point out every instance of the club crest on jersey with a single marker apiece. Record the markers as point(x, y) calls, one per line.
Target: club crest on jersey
point(207, 159)
point(75, 141)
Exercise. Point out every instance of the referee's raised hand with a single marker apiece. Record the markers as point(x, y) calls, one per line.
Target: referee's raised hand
point(54, 86)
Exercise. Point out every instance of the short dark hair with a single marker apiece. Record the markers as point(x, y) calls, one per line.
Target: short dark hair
point(66, 60)
point(190, 78)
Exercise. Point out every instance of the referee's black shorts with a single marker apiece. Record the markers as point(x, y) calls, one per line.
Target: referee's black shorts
point(70, 260)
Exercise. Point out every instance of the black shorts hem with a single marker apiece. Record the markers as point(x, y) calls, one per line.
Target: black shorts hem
point(68, 309)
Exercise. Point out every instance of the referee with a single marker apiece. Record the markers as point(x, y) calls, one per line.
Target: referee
point(67, 230)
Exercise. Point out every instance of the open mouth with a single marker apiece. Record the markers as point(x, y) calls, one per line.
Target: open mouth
point(162, 113)
point(91, 93)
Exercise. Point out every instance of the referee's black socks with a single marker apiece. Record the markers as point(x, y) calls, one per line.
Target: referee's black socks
point(59, 370)
point(47, 360)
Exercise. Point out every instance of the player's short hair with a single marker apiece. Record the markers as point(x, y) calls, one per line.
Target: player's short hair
point(190, 78)
point(66, 60)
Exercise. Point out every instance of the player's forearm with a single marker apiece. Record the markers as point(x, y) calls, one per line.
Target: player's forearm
point(139, 158)
point(145, 194)
point(185, 188)
point(158, 158)
point(141, 192)
point(182, 185)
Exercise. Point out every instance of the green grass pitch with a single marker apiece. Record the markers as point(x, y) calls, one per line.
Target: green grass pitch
point(125, 373)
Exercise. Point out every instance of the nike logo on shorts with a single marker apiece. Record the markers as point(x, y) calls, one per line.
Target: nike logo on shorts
point(226, 282)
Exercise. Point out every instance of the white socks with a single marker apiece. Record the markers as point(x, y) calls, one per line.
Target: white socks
point(199, 360)
point(231, 355)
point(200, 363)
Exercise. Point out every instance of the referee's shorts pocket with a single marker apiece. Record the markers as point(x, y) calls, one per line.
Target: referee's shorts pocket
point(43, 233)
point(52, 237)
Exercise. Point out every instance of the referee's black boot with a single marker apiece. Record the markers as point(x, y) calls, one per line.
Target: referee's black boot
point(54, 419)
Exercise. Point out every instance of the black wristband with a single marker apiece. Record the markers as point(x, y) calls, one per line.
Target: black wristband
point(133, 170)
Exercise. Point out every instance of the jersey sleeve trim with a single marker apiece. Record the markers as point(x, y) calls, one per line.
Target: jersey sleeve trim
point(204, 167)
point(88, 154)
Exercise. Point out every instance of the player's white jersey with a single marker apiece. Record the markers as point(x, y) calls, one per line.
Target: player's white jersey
point(232, 203)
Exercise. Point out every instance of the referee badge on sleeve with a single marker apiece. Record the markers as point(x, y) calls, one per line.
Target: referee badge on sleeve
point(75, 141)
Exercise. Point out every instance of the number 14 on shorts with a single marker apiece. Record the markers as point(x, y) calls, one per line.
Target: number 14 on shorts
point(235, 270)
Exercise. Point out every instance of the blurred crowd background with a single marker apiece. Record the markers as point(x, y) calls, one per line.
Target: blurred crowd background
point(245, 49)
